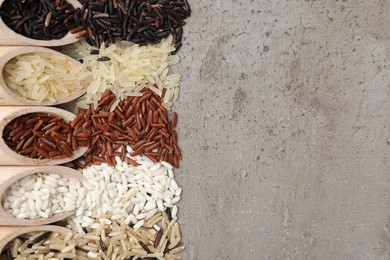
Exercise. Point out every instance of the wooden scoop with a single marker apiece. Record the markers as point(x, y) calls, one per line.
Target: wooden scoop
point(9, 97)
point(11, 174)
point(7, 234)
point(9, 37)
point(10, 157)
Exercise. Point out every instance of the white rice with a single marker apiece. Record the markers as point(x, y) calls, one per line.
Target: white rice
point(44, 76)
point(131, 68)
point(136, 193)
point(39, 195)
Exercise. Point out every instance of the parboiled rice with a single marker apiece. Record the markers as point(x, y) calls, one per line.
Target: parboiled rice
point(128, 69)
point(44, 76)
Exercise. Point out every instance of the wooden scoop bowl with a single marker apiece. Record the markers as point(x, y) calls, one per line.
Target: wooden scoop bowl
point(7, 234)
point(9, 97)
point(11, 174)
point(10, 157)
point(9, 37)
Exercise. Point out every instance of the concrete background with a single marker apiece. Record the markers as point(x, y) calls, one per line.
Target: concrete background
point(284, 125)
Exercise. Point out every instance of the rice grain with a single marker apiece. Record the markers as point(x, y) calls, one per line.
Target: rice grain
point(44, 76)
point(29, 197)
point(127, 69)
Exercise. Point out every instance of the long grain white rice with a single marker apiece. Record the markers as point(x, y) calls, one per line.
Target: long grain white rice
point(44, 76)
point(130, 69)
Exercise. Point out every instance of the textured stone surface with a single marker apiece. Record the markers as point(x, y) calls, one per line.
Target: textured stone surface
point(284, 125)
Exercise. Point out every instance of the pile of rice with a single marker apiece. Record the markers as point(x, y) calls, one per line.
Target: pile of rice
point(44, 76)
point(159, 239)
point(135, 193)
point(126, 68)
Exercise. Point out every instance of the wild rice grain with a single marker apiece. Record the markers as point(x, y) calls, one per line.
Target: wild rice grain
point(38, 19)
point(141, 22)
point(42, 237)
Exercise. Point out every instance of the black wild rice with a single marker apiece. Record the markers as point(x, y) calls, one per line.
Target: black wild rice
point(139, 21)
point(145, 247)
point(8, 254)
point(102, 245)
point(158, 238)
point(37, 19)
point(104, 58)
point(42, 237)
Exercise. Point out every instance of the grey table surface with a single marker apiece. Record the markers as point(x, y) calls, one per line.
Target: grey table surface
point(284, 118)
